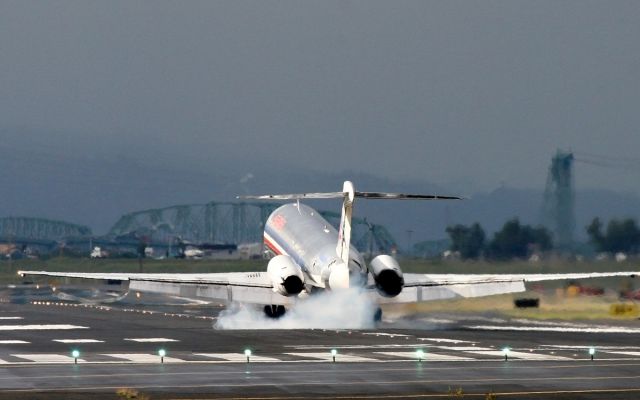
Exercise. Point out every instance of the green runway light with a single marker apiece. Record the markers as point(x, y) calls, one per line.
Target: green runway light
point(592, 352)
point(75, 354)
point(247, 353)
point(334, 353)
point(162, 353)
point(419, 355)
point(505, 351)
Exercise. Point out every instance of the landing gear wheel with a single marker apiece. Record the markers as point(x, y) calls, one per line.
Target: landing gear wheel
point(377, 316)
point(274, 311)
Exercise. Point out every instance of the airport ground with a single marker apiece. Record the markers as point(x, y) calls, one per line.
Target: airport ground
point(463, 357)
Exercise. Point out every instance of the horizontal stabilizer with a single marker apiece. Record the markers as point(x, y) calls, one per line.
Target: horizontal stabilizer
point(296, 196)
point(339, 195)
point(402, 196)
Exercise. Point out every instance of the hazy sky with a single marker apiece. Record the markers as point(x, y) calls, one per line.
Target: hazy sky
point(474, 93)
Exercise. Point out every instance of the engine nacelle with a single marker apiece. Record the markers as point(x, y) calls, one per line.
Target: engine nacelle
point(286, 276)
point(387, 275)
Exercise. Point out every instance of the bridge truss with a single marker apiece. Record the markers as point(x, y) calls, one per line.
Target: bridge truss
point(228, 222)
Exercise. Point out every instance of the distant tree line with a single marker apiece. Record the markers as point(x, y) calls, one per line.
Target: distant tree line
point(514, 240)
point(621, 236)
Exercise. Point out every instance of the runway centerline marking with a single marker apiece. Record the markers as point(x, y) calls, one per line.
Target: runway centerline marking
point(151, 340)
point(391, 335)
point(521, 355)
point(77, 340)
point(465, 348)
point(48, 358)
point(13, 342)
point(625, 353)
point(564, 329)
point(357, 346)
point(143, 358)
point(40, 327)
point(427, 356)
point(10, 318)
point(453, 341)
point(237, 357)
point(339, 357)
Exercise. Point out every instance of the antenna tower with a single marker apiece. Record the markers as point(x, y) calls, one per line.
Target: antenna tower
point(559, 200)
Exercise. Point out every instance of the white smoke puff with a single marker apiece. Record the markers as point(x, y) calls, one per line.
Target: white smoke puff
point(340, 309)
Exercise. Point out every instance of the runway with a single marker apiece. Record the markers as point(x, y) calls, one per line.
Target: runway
point(118, 348)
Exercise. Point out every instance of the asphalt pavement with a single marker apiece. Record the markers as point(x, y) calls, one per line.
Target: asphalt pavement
point(118, 346)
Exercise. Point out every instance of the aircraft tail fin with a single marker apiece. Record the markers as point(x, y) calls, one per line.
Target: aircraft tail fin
point(344, 230)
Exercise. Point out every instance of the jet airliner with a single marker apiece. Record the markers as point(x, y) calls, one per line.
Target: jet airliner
point(308, 255)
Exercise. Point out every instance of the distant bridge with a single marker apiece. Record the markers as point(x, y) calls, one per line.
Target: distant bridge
point(20, 229)
point(227, 222)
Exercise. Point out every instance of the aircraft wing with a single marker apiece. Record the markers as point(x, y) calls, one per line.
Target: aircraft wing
point(426, 287)
point(244, 287)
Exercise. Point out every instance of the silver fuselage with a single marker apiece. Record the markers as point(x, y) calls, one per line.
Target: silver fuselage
point(300, 232)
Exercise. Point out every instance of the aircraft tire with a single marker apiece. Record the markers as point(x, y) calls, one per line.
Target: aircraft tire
point(377, 315)
point(274, 311)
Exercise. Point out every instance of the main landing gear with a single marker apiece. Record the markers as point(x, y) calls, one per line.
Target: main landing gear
point(274, 311)
point(377, 316)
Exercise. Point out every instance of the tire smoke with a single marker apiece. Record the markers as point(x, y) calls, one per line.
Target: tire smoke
point(338, 309)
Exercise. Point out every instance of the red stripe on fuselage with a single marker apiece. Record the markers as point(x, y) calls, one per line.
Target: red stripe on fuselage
point(271, 246)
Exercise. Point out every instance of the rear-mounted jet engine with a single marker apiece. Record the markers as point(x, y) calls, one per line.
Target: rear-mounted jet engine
point(285, 275)
point(387, 275)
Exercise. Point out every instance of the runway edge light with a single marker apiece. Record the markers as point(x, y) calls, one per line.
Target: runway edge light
point(505, 351)
point(334, 353)
point(247, 352)
point(75, 354)
point(592, 352)
point(420, 355)
point(162, 353)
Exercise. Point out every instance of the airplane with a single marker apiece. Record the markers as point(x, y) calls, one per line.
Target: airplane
point(308, 256)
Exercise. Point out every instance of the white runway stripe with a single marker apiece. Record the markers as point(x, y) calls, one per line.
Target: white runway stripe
point(360, 346)
point(48, 358)
point(624, 353)
point(40, 327)
point(10, 318)
point(391, 335)
point(143, 358)
point(411, 355)
point(603, 348)
point(13, 342)
point(464, 348)
point(78, 341)
point(151, 340)
point(521, 355)
point(237, 357)
point(441, 340)
point(328, 357)
point(591, 329)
